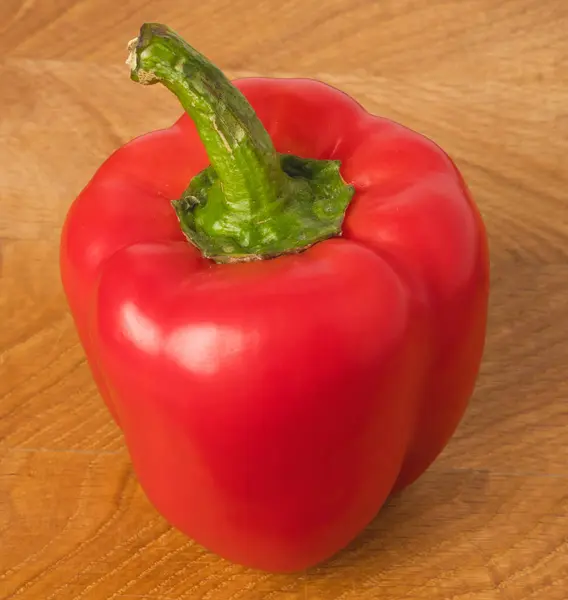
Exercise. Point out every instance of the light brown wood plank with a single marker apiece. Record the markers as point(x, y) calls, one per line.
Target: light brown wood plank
point(47, 396)
point(486, 80)
point(513, 40)
point(518, 417)
point(104, 540)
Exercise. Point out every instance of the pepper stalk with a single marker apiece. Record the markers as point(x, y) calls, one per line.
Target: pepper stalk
point(251, 202)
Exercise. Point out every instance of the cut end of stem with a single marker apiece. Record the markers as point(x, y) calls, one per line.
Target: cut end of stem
point(131, 60)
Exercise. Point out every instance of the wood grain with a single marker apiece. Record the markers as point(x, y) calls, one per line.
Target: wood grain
point(489, 82)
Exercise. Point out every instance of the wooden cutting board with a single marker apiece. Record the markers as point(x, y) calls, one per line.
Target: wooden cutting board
point(486, 80)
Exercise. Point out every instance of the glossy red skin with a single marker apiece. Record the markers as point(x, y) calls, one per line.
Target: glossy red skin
point(271, 407)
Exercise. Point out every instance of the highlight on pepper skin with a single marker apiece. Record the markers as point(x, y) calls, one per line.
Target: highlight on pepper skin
point(198, 349)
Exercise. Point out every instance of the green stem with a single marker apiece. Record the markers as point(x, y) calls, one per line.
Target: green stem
point(251, 202)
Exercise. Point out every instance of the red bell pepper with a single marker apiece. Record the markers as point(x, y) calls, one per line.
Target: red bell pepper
point(283, 301)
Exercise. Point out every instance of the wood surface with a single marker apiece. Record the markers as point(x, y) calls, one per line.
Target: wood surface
point(488, 81)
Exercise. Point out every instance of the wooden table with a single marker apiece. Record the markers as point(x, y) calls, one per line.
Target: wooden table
point(488, 81)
